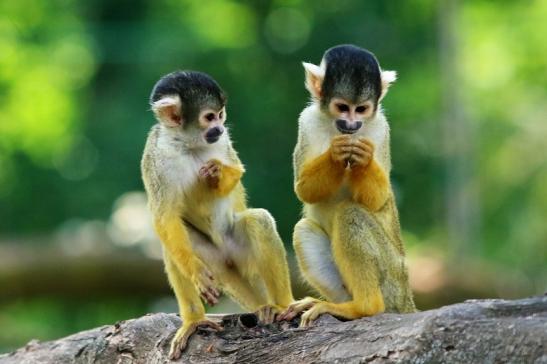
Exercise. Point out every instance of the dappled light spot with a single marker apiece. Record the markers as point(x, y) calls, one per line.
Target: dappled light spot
point(287, 29)
point(221, 23)
point(131, 224)
point(79, 162)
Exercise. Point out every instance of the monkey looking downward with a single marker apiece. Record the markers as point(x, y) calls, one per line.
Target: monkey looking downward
point(211, 240)
point(348, 244)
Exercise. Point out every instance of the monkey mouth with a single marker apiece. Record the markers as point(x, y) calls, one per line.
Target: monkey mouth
point(214, 134)
point(347, 131)
point(211, 140)
point(348, 128)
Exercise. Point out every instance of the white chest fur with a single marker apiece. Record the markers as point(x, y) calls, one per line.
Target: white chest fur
point(182, 163)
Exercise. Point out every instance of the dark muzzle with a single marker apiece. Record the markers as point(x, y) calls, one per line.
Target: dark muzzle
point(214, 134)
point(346, 127)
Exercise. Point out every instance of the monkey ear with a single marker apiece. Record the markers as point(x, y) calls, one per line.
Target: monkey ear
point(168, 110)
point(314, 79)
point(388, 77)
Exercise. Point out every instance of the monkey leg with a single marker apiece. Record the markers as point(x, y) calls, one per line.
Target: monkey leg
point(225, 271)
point(266, 265)
point(357, 253)
point(316, 263)
point(315, 260)
point(191, 309)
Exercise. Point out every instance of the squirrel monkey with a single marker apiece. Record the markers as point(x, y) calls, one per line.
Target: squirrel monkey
point(348, 244)
point(211, 240)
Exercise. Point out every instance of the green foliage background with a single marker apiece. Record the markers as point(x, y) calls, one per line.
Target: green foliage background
point(75, 78)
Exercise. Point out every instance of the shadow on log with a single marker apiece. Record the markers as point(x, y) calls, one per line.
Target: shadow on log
point(476, 331)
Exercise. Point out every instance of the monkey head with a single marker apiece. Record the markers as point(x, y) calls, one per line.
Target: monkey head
point(191, 104)
point(348, 85)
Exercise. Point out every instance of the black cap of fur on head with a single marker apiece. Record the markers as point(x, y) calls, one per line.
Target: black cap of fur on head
point(351, 73)
point(197, 90)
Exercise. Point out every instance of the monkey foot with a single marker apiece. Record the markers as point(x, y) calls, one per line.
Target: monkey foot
point(267, 313)
point(179, 342)
point(313, 313)
point(298, 307)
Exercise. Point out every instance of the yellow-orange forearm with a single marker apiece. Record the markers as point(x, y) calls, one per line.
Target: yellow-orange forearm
point(229, 177)
point(319, 179)
point(176, 241)
point(370, 185)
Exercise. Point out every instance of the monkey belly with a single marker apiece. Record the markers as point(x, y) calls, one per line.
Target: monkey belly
point(323, 212)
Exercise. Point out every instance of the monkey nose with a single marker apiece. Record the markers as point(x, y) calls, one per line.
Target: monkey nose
point(213, 134)
point(346, 127)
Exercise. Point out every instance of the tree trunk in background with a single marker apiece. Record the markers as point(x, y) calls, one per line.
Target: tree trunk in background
point(458, 137)
point(477, 331)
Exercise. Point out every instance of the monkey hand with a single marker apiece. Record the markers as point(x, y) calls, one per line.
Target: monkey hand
point(210, 172)
point(204, 282)
point(362, 152)
point(340, 149)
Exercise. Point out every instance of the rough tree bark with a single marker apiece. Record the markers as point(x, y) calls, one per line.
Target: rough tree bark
point(476, 331)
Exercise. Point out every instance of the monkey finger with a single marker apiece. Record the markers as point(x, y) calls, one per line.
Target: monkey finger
point(341, 156)
point(341, 144)
point(346, 156)
point(211, 162)
point(208, 173)
point(210, 167)
point(215, 292)
point(344, 148)
point(203, 172)
point(364, 147)
point(362, 153)
point(367, 142)
point(359, 144)
point(209, 298)
point(358, 161)
point(342, 137)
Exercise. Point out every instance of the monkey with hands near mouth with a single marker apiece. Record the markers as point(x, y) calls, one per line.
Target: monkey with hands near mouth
point(211, 240)
point(348, 244)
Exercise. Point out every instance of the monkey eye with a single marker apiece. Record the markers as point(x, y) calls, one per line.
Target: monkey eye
point(210, 116)
point(342, 107)
point(220, 114)
point(361, 109)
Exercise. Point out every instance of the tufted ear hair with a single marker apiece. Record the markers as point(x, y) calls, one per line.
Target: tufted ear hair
point(314, 79)
point(388, 77)
point(168, 110)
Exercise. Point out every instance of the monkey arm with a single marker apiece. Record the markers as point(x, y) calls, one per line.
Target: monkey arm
point(176, 241)
point(221, 178)
point(370, 185)
point(229, 177)
point(319, 178)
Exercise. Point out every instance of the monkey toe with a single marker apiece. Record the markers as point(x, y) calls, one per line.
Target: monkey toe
point(311, 315)
point(298, 307)
point(180, 341)
point(267, 314)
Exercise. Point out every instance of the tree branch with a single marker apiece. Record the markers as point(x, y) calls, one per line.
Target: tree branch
point(470, 332)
